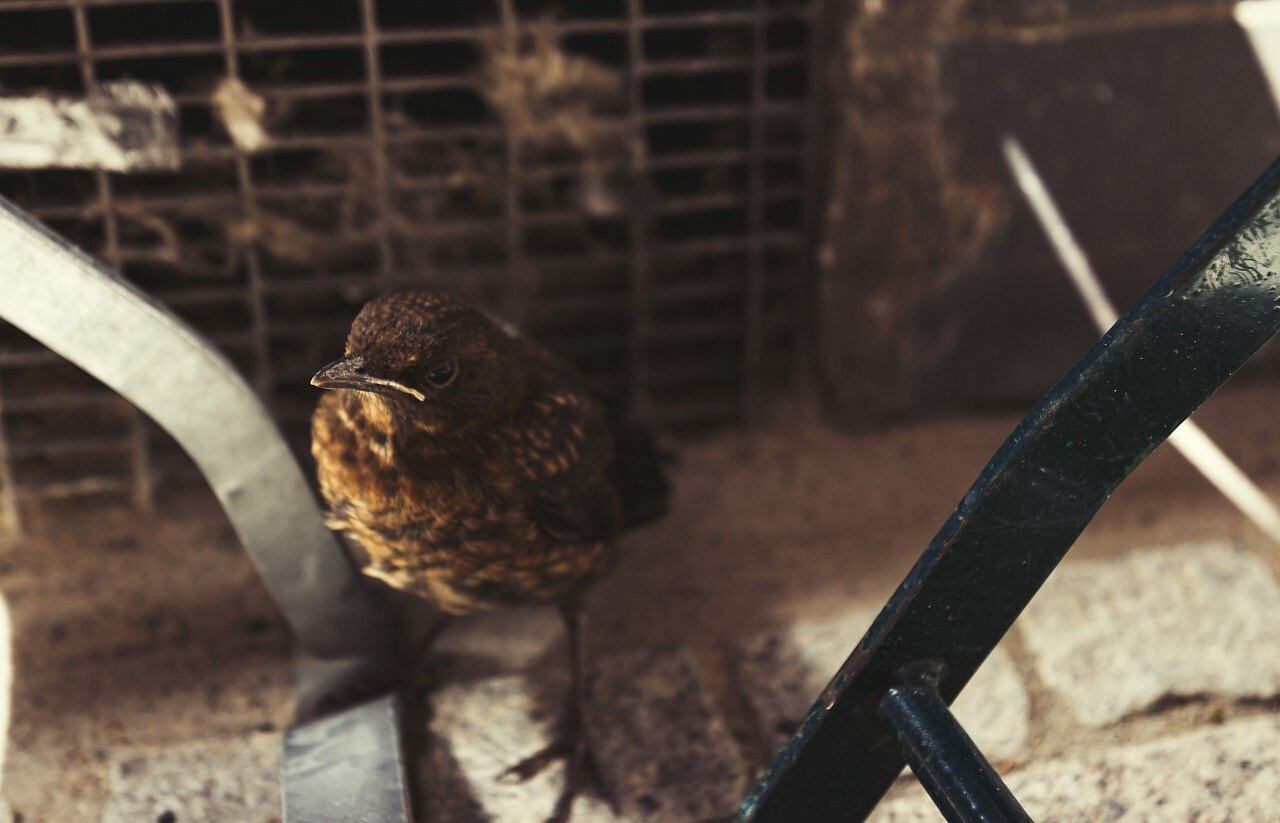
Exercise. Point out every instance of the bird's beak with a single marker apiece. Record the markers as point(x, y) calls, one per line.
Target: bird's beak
point(350, 373)
point(347, 373)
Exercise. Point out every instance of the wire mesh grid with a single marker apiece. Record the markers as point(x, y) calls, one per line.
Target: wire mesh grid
point(627, 180)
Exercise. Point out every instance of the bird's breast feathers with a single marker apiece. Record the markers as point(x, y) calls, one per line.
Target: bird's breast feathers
point(459, 526)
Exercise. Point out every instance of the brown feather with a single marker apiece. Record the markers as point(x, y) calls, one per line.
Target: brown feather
point(495, 489)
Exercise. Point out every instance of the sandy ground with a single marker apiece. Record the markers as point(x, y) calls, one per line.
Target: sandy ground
point(141, 631)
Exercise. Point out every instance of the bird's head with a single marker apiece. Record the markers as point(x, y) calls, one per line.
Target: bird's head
point(428, 357)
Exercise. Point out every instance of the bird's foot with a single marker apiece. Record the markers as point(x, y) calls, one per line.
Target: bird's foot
point(581, 770)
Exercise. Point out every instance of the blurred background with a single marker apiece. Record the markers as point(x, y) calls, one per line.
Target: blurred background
point(633, 186)
point(781, 230)
point(710, 207)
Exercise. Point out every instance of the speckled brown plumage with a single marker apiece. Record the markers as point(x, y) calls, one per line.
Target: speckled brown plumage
point(473, 468)
point(493, 490)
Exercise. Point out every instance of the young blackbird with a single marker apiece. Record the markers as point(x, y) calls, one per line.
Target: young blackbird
point(474, 469)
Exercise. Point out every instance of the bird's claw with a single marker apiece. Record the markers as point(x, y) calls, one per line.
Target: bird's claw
point(580, 768)
point(537, 762)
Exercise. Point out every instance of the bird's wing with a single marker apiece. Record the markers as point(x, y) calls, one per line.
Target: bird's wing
point(586, 516)
point(562, 448)
point(636, 470)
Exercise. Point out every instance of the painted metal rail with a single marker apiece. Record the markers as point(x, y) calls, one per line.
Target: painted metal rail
point(345, 766)
point(1195, 327)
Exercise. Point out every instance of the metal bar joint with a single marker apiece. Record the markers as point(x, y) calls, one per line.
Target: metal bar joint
point(944, 758)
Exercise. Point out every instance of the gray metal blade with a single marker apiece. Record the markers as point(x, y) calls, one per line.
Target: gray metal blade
point(347, 767)
point(107, 327)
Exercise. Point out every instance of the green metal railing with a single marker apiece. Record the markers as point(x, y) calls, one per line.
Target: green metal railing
point(886, 706)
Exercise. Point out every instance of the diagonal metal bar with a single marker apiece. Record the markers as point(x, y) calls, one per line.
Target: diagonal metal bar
point(1189, 439)
point(1195, 327)
point(107, 327)
point(952, 770)
point(347, 767)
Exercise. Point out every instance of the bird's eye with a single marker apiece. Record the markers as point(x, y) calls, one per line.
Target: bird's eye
point(443, 374)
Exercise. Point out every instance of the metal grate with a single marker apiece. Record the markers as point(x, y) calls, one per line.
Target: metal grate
point(626, 179)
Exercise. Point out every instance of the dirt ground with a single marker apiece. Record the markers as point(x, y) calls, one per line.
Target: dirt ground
point(149, 631)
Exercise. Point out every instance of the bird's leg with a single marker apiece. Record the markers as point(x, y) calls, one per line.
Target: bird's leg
point(572, 741)
point(403, 665)
point(424, 646)
point(437, 628)
point(419, 670)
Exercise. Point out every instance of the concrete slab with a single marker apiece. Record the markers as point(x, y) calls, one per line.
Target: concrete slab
point(666, 752)
point(1112, 637)
point(663, 751)
point(207, 781)
point(782, 673)
point(1229, 772)
point(154, 632)
point(994, 709)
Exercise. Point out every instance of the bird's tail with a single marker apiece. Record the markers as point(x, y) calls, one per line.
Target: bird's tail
point(638, 475)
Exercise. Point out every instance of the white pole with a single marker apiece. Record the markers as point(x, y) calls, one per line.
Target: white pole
point(1188, 438)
